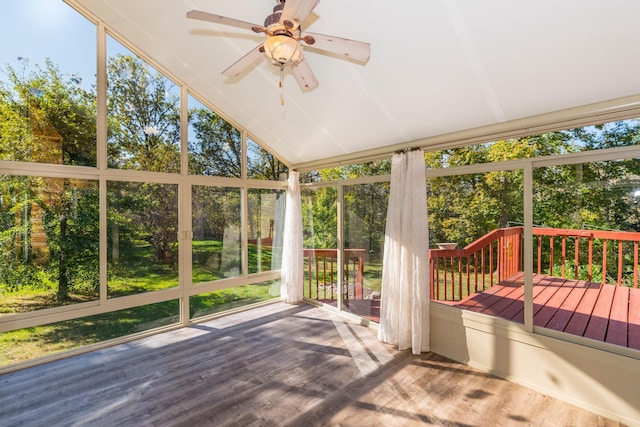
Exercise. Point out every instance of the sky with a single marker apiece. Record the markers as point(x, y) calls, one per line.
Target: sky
point(40, 29)
point(35, 30)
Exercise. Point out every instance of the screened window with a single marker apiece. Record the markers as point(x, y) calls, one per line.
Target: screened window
point(263, 165)
point(47, 84)
point(216, 245)
point(48, 242)
point(143, 114)
point(142, 237)
point(215, 146)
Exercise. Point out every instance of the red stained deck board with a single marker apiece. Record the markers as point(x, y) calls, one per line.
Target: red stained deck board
point(634, 318)
point(580, 319)
point(561, 318)
point(548, 291)
point(515, 280)
point(597, 327)
point(508, 307)
point(552, 306)
point(501, 299)
point(476, 302)
point(618, 319)
point(515, 308)
point(519, 315)
point(576, 307)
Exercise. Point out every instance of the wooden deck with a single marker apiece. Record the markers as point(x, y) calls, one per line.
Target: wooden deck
point(605, 313)
point(272, 366)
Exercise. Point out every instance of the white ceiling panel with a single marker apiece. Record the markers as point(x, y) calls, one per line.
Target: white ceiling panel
point(436, 67)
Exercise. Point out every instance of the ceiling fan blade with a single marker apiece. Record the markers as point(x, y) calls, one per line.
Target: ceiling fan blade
point(295, 11)
point(243, 63)
point(304, 75)
point(360, 51)
point(210, 17)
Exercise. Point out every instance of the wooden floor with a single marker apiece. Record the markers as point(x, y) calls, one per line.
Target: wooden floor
point(272, 366)
point(601, 312)
point(365, 308)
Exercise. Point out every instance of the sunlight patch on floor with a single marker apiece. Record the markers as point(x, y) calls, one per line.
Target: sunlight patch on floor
point(366, 351)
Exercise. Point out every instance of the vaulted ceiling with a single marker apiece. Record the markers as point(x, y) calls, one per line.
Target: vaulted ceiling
point(437, 66)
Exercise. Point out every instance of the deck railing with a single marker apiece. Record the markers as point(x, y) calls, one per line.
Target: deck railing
point(586, 254)
point(456, 273)
point(567, 253)
point(321, 273)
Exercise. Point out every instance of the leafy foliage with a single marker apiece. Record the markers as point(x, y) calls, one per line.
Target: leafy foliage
point(261, 164)
point(217, 148)
point(144, 117)
point(71, 223)
point(47, 118)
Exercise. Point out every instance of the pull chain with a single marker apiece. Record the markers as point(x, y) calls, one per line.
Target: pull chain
point(281, 85)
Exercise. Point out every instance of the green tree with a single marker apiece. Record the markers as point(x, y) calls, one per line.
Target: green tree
point(362, 201)
point(72, 226)
point(464, 207)
point(319, 218)
point(47, 118)
point(217, 149)
point(16, 267)
point(365, 217)
point(261, 164)
point(15, 135)
point(607, 193)
point(144, 117)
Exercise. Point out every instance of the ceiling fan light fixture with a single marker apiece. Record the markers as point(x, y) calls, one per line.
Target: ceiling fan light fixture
point(282, 49)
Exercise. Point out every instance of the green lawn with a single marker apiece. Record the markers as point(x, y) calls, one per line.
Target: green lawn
point(140, 273)
point(30, 343)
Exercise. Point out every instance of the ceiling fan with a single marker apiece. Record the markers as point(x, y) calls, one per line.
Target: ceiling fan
point(283, 40)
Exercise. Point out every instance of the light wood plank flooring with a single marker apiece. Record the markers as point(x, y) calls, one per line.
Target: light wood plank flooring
point(275, 365)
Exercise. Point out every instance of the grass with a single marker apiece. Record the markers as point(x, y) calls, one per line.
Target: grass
point(372, 276)
point(141, 273)
point(226, 299)
point(28, 299)
point(210, 262)
point(30, 343)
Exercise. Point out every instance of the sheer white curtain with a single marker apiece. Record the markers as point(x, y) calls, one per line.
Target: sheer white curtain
point(404, 306)
point(291, 288)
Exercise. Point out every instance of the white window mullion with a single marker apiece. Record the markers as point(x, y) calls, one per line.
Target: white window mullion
point(101, 97)
point(185, 227)
point(185, 237)
point(340, 261)
point(244, 207)
point(103, 238)
point(101, 151)
point(528, 247)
